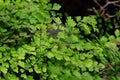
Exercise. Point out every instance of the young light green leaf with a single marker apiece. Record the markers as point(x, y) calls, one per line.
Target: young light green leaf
point(56, 6)
point(22, 64)
point(44, 69)
point(57, 20)
point(33, 53)
point(29, 78)
point(21, 53)
point(24, 76)
point(58, 56)
point(86, 29)
point(88, 63)
point(78, 18)
point(117, 33)
point(3, 69)
point(73, 38)
point(30, 70)
point(28, 47)
point(67, 58)
point(103, 39)
point(22, 70)
point(70, 22)
point(54, 69)
point(13, 77)
point(61, 35)
point(82, 56)
point(101, 66)
point(37, 69)
point(77, 74)
point(50, 55)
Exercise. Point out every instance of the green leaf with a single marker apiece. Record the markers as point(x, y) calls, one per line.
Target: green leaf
point(44, 69)
point(77, 74)
point(111, 45)
point(5, 64)
point(32, 28)
point(67, 58)
point(58, 56)
point(82, 57)
point(45, 1)
point(1, 1)
point(50, 55)
point(73, 38)
point(28, 47)
point(3, 69)
point(13, 77)
point(88, 63)
point(117, 33)
point(78, 18)
point(30, 78)
point(24, 76)
point(56, 6)
point(80, 46)
point(46, 15)
point(41, 19)
point(55, 69)
point(21, 53)
point(30, 70)
point(86, 29)
point(1, 55)
point(22, 70)
point(21, 64)
point(95, 65)
point(57, 20)
point(33, 20)
point(14, 65)
point(88, 47)
point(103, 39)
point(33, 53)
point(111, 38)
point(37, 69)
point(86, 76)
point(61, 35)
point(70, 22)
point(101, 66)
point(53, 76)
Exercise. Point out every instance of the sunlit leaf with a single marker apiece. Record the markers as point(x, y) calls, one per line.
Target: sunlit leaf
point(57, 20)
point(50, 55)
point(88, 63)
point(77, 74)
point(24, 76)
point(58, 57)
point(13, 77)
point(29, 48)
point(3, 69)
point(61, 35)
point(73, 38)
point(70, 22)
point(22, 64)
point(56, 6)
point(44, 69)
point(117, 33)
point(30, 78)
point(103, 39)
point(21, 53)
point(67, 58)
point(37, 69)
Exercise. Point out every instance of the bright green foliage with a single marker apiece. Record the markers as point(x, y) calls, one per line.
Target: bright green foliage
point(87, 24)
point(29, 52)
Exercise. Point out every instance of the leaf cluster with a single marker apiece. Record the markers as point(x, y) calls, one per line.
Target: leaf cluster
point(28, 51)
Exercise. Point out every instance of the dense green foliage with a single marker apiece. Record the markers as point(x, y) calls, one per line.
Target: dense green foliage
point(29, 52)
